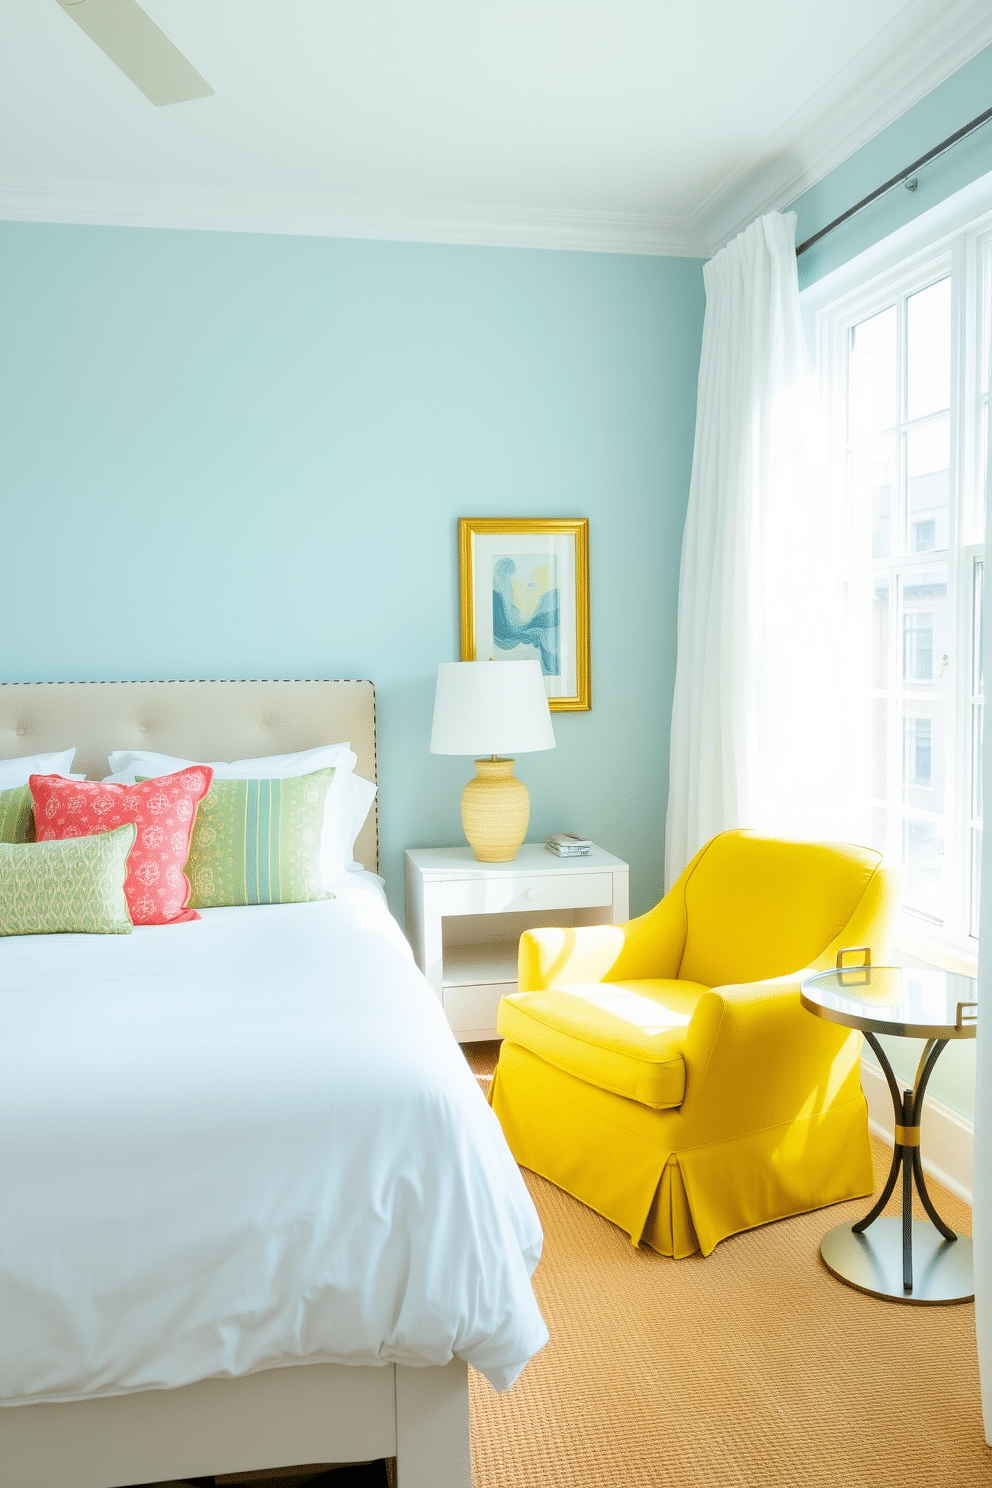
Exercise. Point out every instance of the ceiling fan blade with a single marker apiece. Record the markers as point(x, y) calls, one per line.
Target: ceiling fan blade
point(143, 53)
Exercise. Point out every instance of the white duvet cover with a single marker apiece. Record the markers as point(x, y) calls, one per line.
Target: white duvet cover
point(242, 1143)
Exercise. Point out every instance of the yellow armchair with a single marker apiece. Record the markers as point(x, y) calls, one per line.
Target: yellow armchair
point(664, 1071)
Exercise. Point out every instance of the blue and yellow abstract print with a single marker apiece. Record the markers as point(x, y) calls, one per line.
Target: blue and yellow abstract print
point(526, 610)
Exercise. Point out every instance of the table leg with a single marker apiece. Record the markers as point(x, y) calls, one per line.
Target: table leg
point(927, 1062)
point(896, 1097)
point(905, 1154)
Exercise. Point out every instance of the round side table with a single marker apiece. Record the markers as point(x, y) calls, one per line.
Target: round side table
point(905, 1260)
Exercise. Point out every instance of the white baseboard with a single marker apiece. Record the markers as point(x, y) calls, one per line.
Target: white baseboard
point(947, 1139)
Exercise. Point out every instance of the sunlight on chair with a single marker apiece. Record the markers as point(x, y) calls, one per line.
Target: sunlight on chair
point(644, 1013)
point(564, 945)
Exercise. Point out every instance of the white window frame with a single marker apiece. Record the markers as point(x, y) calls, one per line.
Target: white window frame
point(955, 238)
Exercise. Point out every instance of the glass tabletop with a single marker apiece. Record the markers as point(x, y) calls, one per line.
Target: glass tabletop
point(917, 1003)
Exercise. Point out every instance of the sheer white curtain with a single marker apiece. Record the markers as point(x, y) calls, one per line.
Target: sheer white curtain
point(982, 1170)
point(752, 712)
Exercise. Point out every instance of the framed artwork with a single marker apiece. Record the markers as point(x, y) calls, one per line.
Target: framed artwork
point(525, 596)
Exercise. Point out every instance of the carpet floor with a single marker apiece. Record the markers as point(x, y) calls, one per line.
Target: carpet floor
point(750, 1368)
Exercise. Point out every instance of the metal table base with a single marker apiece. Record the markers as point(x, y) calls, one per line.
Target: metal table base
point(921, 1261)
point(942, 1269)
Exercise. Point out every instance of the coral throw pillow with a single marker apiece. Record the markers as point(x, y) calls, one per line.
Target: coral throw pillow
point(163, 810)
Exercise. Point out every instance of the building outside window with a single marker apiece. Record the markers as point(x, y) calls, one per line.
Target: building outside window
point(904, 363)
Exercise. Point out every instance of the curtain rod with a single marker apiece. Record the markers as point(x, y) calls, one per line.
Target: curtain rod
point(903, 175)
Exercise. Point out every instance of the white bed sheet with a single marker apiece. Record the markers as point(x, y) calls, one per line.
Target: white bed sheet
point(247, 1142)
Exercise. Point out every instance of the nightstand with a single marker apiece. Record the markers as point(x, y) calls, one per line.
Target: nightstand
point(464, 918)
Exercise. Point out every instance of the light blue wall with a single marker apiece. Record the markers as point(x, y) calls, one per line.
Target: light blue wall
point(961, 98)
point(965, 95)
point(244, 456)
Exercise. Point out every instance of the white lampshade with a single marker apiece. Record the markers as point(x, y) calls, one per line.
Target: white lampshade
point(491, 707)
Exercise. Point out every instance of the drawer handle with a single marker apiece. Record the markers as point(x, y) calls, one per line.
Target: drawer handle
point(530, 893)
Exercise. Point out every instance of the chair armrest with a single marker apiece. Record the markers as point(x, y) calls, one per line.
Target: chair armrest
point(655, 942)
point(649, 946)
point(755, 1058)
point(871, 923)
point(562, 958)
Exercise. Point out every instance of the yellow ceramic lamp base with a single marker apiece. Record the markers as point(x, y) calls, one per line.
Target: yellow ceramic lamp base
point(495, 811)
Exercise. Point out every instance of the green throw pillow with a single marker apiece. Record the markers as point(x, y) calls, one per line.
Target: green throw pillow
point(258, 842)
point(16, 815)
point(74, 886)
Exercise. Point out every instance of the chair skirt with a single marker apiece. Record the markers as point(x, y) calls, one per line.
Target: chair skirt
point(626, 1161)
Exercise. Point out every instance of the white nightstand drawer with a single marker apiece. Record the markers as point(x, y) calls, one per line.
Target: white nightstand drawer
point(508, 893)
point(471, 1011)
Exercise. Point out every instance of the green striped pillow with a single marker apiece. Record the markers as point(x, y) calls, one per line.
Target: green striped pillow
point(74, 886)
point(258, 842)
point(16, 815)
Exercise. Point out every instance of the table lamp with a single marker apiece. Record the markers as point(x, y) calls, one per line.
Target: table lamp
point(492, 707)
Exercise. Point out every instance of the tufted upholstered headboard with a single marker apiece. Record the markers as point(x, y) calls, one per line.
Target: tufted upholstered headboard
point(194, 720)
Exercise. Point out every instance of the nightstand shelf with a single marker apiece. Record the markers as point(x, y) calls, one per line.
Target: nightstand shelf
point(464, 919)
point(488, 961)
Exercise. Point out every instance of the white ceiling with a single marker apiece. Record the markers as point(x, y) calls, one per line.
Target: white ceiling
point(614, 124)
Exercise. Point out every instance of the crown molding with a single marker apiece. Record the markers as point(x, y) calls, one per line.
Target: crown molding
point(877, 87)
point(895, 70)
point(97, 203)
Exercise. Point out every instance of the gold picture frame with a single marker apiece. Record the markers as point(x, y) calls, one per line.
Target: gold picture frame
point(524, 586)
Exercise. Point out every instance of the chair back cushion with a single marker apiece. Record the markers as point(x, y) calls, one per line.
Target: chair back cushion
point(760, 907)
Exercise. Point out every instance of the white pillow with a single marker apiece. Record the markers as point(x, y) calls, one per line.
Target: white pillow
point(16, 771)
point(352, 806)
point(126, 764)
point(349, 797)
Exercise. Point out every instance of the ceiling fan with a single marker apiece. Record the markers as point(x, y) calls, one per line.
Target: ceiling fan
point(132, 41)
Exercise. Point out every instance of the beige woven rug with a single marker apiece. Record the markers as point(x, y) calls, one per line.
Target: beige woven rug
point(751, 1367)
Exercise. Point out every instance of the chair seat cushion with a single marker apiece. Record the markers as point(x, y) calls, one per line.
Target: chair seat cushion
point(625, 1037)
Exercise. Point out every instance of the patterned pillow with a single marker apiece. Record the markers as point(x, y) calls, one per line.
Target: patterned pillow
point(163, 811)
point(16, 815)
point(258, 842)
point(75, 886)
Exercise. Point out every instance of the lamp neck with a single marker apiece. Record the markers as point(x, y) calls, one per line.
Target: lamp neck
point(494, 768)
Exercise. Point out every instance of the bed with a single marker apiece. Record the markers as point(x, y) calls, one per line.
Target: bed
point(320, 1157)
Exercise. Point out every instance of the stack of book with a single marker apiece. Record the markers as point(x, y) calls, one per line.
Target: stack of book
point(568, 845)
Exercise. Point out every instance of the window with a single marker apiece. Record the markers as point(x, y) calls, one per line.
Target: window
point(916, 761)
point(904, 361)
